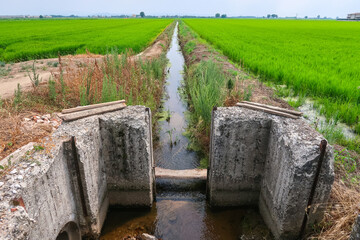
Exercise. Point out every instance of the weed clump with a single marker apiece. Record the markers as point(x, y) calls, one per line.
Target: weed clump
point(52, 90)
point(112, 78)
point(205, 83)
point(34, 77)
point(17, 96)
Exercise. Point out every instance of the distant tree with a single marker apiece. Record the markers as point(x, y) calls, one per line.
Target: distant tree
point(223, 16)
point(41, 16)
point(142, 14)
point(217, 15)
point(306, 17)
point(274, 16)
point(268, 16)
point(318, 16)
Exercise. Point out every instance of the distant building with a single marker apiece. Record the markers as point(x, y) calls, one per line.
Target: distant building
point(353, 16)
point(12, 16)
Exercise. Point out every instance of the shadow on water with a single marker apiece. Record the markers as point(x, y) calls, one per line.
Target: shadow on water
point(180, 211)
point(185, 216)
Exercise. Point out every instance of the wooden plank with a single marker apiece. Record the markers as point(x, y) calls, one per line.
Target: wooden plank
point(91, 112)
point(274, 108)
point(83, 108)
point(200, 174)
point(267, 110)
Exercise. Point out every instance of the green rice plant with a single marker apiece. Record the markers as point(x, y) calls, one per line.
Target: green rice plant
point(312, 58)
point(23, 40)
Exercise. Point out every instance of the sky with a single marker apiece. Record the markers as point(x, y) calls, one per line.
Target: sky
point(300, 8)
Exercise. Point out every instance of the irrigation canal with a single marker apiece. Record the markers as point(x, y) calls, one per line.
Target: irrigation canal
point(180, 210)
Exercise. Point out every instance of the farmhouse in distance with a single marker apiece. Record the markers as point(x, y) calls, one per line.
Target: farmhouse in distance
point(354, 16)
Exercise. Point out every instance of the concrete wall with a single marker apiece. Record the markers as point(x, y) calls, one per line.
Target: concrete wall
point(355, 234)
point(85, 165)
point(271, 162)
point(127, 152)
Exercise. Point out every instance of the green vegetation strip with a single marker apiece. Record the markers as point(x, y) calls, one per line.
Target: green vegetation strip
point(22, 40)
point(317, 59)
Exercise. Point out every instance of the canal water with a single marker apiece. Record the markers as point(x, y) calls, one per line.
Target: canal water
point(180, 211)
point(171, 149)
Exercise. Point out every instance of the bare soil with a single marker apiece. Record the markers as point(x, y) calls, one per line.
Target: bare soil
point(18, 73)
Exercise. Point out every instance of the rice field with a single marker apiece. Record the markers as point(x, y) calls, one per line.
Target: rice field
point(317, 59)
point(22, 40)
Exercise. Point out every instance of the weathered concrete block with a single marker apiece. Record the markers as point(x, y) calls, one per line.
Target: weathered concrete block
point(289, 174)
point(87, 171)
point(269, 161)
point(127, 153)
point(238, 150)
point(355, 234)
point(85, 165)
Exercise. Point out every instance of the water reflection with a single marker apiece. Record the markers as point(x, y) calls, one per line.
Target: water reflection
point(186, 216)
point(171, 151)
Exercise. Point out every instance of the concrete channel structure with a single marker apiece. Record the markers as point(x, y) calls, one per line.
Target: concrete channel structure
point(271, 162)
point(355, 234)
point(64, 190)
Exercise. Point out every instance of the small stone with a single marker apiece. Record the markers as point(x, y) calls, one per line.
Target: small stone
point(16, 186)
point(1, 183)
point(33, 165)
point(27, 119)
point(20, 177)
point(13, 172)
point(146, 236)
point(14, 191)
point(47, 116)
point(39, 121)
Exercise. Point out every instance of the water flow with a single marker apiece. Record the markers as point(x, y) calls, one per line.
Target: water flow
point(171, 151)
point(181, 212)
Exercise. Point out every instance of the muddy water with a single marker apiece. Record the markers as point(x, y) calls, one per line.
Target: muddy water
point(171, 151)
point(180, 211)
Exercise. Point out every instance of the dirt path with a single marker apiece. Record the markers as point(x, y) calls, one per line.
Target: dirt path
point(13, 74)
point(18, 73)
